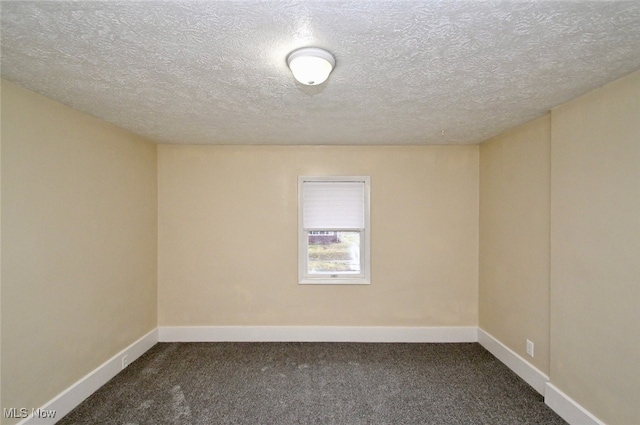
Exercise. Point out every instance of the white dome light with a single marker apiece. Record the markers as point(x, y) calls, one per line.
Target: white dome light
point(311, 65)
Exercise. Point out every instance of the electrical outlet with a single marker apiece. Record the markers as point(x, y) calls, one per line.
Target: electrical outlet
point(125, 361)
point(530, 348)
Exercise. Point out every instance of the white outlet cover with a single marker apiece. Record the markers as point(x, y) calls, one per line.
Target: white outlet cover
point(530, 348)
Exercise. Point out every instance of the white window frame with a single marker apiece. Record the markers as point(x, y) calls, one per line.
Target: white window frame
point(304, 277)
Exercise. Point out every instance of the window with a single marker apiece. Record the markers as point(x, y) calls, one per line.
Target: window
point(333, 230)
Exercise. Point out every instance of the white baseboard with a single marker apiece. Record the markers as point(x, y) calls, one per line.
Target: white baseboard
point(316, 334)
point(67, 400)
point(532, 375)
point(562, 404)
point(567, 408)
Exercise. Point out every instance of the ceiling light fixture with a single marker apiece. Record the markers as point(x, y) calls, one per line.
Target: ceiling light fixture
point(311, 65)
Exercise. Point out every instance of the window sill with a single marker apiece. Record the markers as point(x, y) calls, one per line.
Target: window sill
point(334, 281)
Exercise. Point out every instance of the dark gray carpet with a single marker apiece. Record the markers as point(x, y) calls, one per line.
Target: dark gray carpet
point(315, 383)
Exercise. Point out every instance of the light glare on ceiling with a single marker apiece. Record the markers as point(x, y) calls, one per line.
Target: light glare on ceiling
point(310, 65)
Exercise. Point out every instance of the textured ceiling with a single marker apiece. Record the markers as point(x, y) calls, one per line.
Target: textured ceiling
point(408, 72)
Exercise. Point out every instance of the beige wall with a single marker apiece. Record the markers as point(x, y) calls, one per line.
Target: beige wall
point(514, 239)
point(0, 248)
point(595, 250)
point(78, 245)
point(227, 223)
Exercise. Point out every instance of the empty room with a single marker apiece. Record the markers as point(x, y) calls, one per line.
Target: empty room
point(331, 212)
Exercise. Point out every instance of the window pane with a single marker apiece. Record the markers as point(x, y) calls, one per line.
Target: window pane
point(334, 252)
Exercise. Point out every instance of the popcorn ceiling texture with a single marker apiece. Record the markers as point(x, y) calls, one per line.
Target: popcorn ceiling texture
point(408, 72)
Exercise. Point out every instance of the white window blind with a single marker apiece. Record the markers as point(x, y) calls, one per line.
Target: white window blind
point(333, 205)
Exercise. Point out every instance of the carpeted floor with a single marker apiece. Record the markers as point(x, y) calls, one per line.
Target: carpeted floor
point(315, 383)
